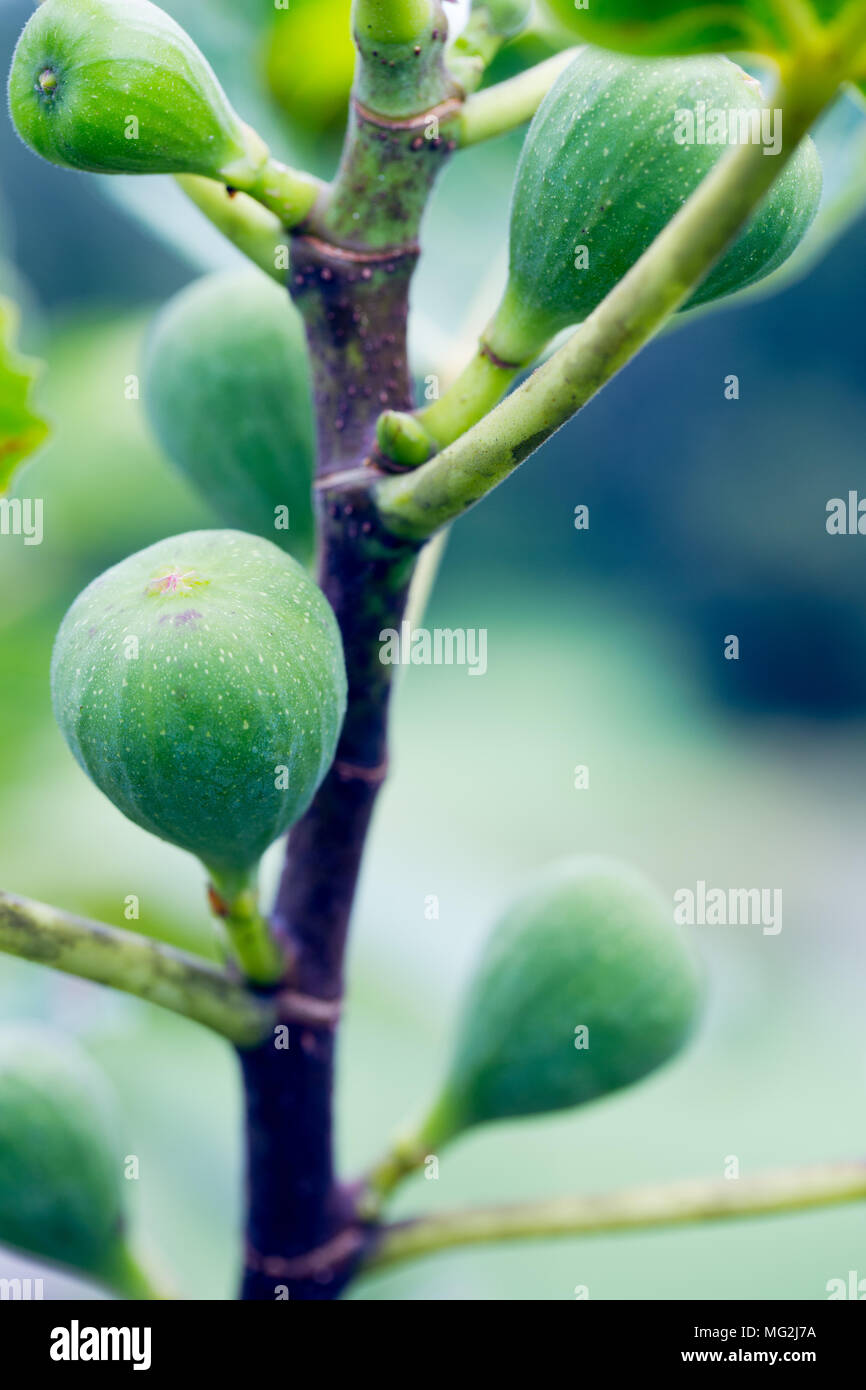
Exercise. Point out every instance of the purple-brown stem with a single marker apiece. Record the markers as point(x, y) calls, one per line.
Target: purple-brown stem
point(303, 1238)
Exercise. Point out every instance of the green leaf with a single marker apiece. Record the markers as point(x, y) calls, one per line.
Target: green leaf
point(22, 430)
point(678, 26)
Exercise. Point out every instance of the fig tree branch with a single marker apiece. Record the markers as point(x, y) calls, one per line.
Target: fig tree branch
point(633, 1209)
point(510, 104)
point(136, 965)
point(349, 277)
point(416, 504)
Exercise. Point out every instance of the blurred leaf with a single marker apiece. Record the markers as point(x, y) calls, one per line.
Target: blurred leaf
point(22, 430)
point(680, 26)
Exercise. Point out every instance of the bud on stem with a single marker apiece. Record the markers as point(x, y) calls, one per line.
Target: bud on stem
point(491, 24)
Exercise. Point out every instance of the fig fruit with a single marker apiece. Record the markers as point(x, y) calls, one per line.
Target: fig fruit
point(586, 985)
point(227, 390)
point(678, 26)
point(60, 1160)
point(116, 86)
point(200, 684)
point(603, 171)
point(310, 80)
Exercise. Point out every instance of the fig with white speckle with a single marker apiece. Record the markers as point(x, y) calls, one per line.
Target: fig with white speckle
point(116, 86)
point(200, 684)
point(585, 986)
point(615, 149)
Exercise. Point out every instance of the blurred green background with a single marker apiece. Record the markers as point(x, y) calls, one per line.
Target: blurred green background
point(604, 648)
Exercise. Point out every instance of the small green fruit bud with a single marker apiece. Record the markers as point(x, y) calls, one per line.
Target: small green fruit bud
point(116, 86)
point(60, 1160)
point(505, 17)
point(200, 684)
point(227, 389)
point(614, 151)
point(585, 986)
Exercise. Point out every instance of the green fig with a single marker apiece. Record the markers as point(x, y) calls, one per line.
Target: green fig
point(61, 1169)
point(227, 389)
point(585, 985)
point(606, 165)
point(679, 26)
point(116, 86)
point(200, 684)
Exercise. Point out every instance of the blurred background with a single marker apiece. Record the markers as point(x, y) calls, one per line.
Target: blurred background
point(605, 648)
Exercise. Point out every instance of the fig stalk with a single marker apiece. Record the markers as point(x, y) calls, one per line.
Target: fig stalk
point(236, 904)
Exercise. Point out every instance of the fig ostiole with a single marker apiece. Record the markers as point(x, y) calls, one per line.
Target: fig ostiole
point(585, 985)
point(227, 391)
point(116, 86)
point(61, 1162)
point(200, 684)
point(615, 149)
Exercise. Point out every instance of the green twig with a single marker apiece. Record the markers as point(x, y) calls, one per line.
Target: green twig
point(251, 227)
point(510, 104)
point(412, 437)
point(417, 504)
point(634, 1209)
point(134, 964)
point(288, 193)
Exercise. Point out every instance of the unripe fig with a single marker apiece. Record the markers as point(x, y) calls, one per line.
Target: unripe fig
point(586, 985)
point(311, 80)
point(116, 86)
point(200, 683)
point(60, 1160)
point(680, 26)
point(603, 171)
point(227, 389)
